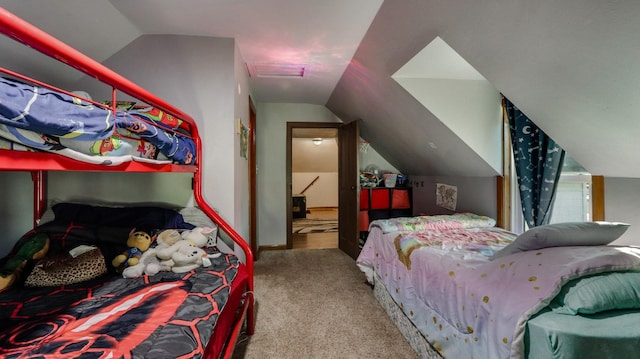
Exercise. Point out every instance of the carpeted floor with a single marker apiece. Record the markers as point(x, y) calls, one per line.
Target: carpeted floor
point(316, 304)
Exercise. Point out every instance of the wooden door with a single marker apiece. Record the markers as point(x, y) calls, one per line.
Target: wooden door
point(253, 214)
point(348, 136)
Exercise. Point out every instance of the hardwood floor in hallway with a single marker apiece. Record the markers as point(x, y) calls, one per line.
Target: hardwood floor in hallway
point(321, 240)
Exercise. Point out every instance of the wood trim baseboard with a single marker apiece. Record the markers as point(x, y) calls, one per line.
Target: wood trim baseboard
point(278, 247)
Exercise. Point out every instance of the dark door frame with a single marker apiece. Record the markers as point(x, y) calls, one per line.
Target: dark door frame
point(289, 189)
point(349, 185)
point(253, 205)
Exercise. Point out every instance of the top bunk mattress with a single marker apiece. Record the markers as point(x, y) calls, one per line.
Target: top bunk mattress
point(42, 119)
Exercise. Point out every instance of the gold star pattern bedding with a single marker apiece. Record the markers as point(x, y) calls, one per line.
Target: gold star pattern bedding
point(467, 304)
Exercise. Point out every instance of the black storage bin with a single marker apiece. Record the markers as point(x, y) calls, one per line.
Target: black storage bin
point(299, 207)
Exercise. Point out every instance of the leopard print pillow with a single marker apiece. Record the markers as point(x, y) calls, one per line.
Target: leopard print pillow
point(66, 269)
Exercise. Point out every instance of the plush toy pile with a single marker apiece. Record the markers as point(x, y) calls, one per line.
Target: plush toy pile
point(174, 251)
point(187, 253)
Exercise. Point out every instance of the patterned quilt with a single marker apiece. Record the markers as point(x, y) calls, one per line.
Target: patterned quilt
point(167, 315)
point(47, 120)
point(422, 223)
point(485, 241)
point(466, 305)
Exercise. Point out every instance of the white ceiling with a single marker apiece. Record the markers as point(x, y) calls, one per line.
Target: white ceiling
point(320, 35)
point(571, 66)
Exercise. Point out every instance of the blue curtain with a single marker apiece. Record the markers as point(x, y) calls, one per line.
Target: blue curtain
point(538, 162)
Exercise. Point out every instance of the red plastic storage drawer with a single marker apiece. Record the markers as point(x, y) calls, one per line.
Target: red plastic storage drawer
point(400, 199)
point(364, 221)
point(379, 198)
point(364, 199)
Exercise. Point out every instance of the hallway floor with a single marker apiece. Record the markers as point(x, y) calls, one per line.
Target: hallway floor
point(321, 240)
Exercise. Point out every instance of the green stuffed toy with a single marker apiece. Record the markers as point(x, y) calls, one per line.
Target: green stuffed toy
point(35, 248)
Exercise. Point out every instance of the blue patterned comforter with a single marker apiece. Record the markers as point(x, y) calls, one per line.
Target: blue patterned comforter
point(47, 120)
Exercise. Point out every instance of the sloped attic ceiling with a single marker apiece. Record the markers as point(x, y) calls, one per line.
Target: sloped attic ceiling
point(570, 66)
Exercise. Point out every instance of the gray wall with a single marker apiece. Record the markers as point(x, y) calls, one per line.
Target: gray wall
point(202, 76)
point(622, 199)
point(16, 207)
point(271, 152)
point(475, 194)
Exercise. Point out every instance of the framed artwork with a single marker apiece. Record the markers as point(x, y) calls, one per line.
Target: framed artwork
point(446, 196)
point(244, 140)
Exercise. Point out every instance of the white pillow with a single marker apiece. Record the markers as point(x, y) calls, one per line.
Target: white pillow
point(565, 234)
point(197, 217)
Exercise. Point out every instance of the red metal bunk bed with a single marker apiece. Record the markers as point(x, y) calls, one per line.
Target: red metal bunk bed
point(38, 163)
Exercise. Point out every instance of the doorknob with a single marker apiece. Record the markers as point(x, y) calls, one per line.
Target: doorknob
point(353, 187)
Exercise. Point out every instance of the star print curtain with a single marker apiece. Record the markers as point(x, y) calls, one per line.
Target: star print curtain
point(538, 162)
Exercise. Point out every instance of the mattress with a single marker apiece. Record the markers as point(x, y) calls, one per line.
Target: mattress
point(162, 315)
point(165, 315)
point(465, 304)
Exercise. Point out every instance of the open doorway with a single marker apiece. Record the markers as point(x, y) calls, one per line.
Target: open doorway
point(314, 187)
point(348, 178)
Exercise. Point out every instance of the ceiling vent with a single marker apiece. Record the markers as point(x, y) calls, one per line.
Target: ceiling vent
point(276, 70)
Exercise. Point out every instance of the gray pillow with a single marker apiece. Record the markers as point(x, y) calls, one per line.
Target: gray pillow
point(565, 234)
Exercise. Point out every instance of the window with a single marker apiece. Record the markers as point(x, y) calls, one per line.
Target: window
point(573, 195)
point(572, 202)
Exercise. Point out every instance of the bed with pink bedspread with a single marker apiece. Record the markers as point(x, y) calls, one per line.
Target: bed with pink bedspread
point(468, 288)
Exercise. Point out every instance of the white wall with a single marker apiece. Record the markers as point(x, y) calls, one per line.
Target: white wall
point(240, 180)
point(271, 161)
point(323, 193)
point(469, 108)
point(308, 157)
point(371, 157)
point(309, 161)
point(621, 197)
point(201, 76)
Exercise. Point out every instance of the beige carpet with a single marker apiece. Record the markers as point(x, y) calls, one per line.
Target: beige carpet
point(314, 303)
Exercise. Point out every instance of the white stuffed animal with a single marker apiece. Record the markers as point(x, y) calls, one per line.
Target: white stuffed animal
point(187, 254)
point(149, 263)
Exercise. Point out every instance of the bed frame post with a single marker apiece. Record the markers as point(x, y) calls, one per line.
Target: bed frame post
point(39, 195)
point(225, 227)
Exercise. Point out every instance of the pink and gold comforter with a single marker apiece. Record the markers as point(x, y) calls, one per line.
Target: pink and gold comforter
point(466, 305)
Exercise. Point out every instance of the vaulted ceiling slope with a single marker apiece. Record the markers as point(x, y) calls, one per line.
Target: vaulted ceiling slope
point(572, 66)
